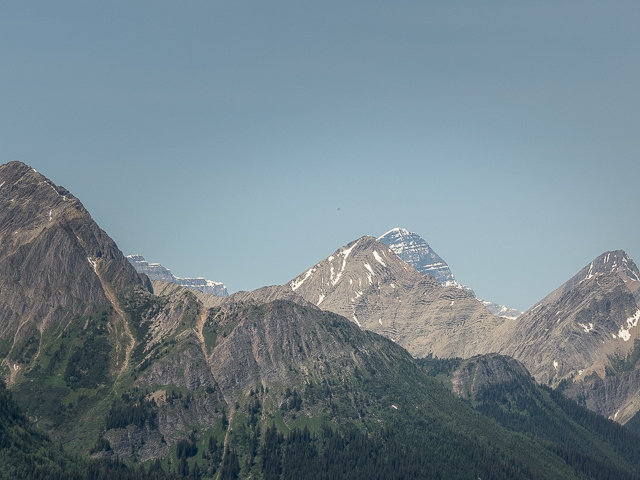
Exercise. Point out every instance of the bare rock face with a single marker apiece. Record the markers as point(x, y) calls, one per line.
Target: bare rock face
point(414, 250)
point(616, 397)
point(617, 262)
point(573, 331)
point(484, 371)
point(368, 283)
point(55, 262)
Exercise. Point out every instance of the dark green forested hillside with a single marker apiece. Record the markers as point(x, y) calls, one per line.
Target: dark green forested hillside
point(594, 446)
point(26, 453)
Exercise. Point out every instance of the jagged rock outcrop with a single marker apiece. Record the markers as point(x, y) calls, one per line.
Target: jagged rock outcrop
point(157, 272)
point(368, 283)
point(414, 250)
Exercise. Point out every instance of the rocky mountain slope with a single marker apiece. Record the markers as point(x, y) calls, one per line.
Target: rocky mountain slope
point(573, 331)
point(368, 283)
point(55, 264)
point(414, 250)
point(157, 272)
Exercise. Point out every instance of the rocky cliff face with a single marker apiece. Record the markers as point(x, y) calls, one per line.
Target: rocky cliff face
point(616, 397)
point(368, 283)
point(157, 272)
point(414, 250)
point(572, 332)
point(55, 262)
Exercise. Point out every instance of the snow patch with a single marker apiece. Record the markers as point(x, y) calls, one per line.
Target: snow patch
point(356, 320)
point(94, 264)
point(589, 275)
point(345, 253)
point(401, 231)
point(586, 328)
point(50, 214)
point(380, 321)
point(452, 302)
point(378, 258)
point(320, 299)
point(299, 281)
point(555, 365)
point(630, 323)
point(370, 274)
point(1, 184)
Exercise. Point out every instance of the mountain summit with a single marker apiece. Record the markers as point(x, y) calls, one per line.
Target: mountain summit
point(414, 250)
point(368, 283)
point(576, 329)
point(55, 263)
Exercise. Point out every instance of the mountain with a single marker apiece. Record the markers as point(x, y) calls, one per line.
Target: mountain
point(55, 264)
point(414, 250)
point(368, 283)
point(28, 453)
point(573, 331)
point(157, 272)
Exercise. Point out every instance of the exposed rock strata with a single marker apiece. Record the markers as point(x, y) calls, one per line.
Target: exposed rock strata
point(368, 283)
point(55, 262)
point(157, 272)
point(414, 250)
point(571, 332)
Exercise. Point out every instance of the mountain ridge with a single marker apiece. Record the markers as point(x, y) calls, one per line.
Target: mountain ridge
point(368, 283)
point(414, 250)
point(157, 272)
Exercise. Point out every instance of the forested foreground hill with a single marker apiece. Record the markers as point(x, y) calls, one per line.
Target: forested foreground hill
point(27, 453)
point(501, 388)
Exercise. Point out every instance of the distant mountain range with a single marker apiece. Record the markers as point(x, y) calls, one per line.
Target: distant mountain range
point(157, 272)
point(299, 381)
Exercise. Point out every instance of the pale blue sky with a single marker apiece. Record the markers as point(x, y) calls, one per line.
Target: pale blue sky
point(245, 141)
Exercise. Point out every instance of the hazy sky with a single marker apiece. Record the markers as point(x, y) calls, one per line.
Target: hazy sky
point(245, 141)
